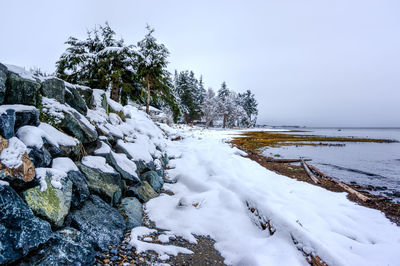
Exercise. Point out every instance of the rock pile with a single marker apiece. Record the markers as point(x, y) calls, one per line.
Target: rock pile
point(75, 169)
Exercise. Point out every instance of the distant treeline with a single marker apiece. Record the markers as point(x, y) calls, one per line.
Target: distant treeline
point(139, 73)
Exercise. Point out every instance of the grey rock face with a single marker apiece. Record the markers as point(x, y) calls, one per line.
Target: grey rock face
point(99, 223)
point(155, 181)
point(67, 247)
point(107, 185)
point(80, 189)
point(75, 100)
point(133, 210)
point(20, 230)
point(3, 79)
point(54, 88)
point(22, 91)
point(7, 122)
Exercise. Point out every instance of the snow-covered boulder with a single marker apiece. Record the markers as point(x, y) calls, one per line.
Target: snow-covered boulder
point(21, 87)
point(69, 120)
point(65, 247)
point(15, 164)
point(55, 142)
point(101, 178)
point(133, 211)
point(20, 230)
point(51, 203)
point(120, 162)
point(99, 223)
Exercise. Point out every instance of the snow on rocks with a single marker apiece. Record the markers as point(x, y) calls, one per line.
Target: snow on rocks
point(64, 164)
point(11, 157)
point(137, 233)
point(97, 162)
point(305, 217)
point(55, 176)
point(33, 136)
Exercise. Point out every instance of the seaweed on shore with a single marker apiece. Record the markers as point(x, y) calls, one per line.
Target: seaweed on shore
point(255, 140)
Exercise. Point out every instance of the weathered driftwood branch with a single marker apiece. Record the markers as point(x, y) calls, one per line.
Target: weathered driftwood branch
point(309, 173)
point(286, 160)
point(342, 185)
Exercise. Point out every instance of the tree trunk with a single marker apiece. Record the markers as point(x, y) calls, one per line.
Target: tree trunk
point(224, 121)
point(114, 92)
point(148, 95)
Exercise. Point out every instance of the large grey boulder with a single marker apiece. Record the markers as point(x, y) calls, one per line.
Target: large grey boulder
point(75, 100)
point(3, 79)
point(20, 230)
point(80, 189)
point(7, 122)
point(20, 90)
point(99, 223)
point(107, 185)
point(143, 192)
point(67, 247)
point(51, 204)
point(133, 211)
point(155, 181)
point(54, 88)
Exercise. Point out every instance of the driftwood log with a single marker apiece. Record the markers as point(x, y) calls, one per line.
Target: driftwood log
point(342, 185)
point(270, 160)
point(309, 173)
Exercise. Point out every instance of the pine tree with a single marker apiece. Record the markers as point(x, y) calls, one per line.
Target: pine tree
point(151, 65)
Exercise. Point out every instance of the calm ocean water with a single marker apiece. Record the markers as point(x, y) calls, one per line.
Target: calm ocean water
point(374, 164)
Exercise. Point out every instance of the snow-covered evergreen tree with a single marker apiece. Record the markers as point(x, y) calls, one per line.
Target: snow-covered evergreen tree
point(210, 107)
point(100, 61)
point(249, 103)
point(151, 66)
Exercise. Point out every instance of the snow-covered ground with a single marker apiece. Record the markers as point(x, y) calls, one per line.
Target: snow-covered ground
point(215, 185)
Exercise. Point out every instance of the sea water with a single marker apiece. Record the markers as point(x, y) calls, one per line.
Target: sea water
point(369, 164)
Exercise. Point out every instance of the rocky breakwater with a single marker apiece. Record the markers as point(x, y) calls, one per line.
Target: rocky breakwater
point(75, 169)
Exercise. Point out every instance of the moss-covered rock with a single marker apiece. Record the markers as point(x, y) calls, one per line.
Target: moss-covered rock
point(51, 204)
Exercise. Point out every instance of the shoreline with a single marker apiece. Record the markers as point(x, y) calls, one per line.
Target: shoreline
point(383, 204)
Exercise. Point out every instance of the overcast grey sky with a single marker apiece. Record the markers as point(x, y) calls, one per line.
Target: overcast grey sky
point(314, 63)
